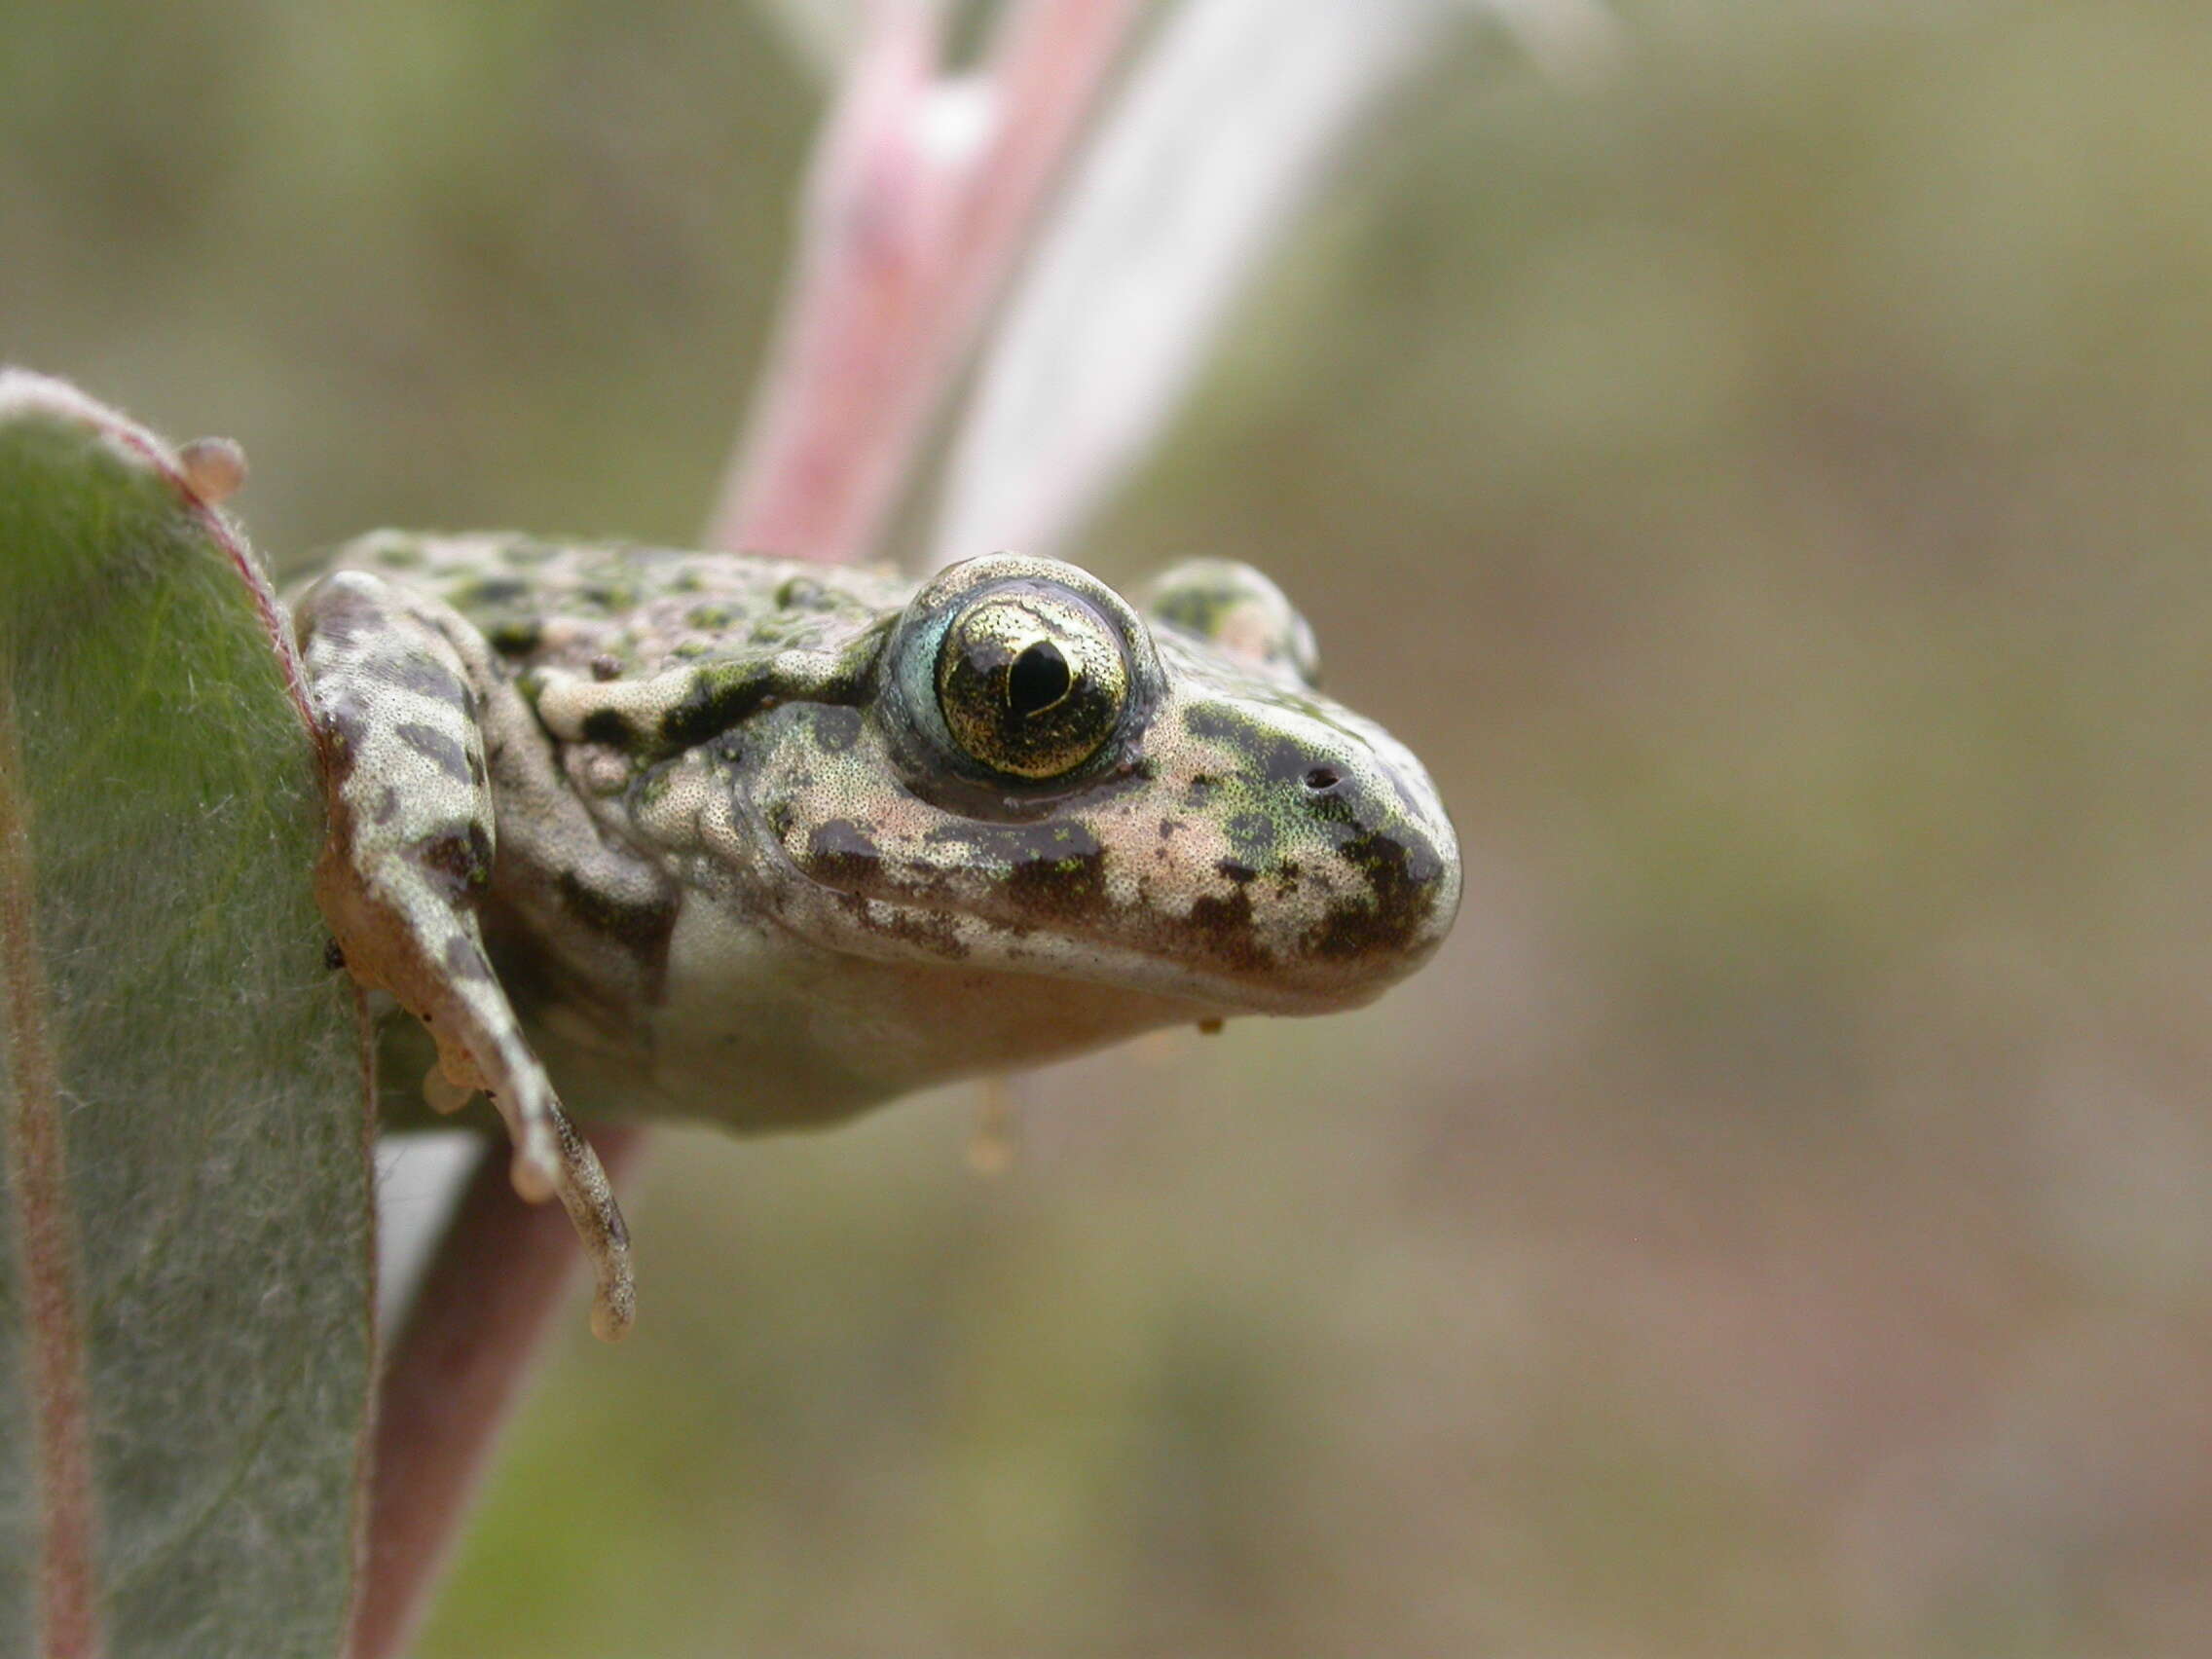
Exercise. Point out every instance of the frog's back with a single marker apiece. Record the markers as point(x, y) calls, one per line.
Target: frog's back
point(617, 610)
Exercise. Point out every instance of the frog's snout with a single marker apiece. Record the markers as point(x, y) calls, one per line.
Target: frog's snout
point(1395, 887)
point(1342, 872)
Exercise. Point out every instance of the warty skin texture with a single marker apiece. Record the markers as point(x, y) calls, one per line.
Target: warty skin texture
point(766, 844)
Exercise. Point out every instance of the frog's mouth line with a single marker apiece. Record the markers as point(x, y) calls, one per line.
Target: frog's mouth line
point(902, 930)
point(1119, 966)
point(840, 898)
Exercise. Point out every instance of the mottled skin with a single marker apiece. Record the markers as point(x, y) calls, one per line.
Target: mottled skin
point(770, 843)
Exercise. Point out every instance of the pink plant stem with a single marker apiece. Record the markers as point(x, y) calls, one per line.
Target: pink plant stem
point(481, 1314)
point(907, 237)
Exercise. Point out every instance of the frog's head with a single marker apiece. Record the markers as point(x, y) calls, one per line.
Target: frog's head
point(1048, 782)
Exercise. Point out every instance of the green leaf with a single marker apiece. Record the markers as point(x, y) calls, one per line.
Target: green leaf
point(185, 1270)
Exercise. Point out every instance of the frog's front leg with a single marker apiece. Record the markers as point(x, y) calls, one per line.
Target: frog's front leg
point(409, 859)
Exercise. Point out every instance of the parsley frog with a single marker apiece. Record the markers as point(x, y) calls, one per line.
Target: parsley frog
point(768, 843)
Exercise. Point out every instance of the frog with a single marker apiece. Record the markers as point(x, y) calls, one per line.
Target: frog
point(767, 843)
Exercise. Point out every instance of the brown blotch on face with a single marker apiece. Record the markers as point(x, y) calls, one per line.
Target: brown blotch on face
point(1053, 869)
point(1403, 881)
point(1224, 928)
point(839, 854)
point(1071, 885)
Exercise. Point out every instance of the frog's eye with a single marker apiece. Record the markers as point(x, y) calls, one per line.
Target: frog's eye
point(1031, 682)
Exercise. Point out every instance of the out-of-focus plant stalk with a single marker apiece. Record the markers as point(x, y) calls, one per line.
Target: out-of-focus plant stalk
point(502, 1269)
point(921, 199)
point(1231, 124)
point(924, 191)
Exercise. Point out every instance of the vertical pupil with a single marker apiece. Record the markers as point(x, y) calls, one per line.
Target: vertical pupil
point(1039, 678)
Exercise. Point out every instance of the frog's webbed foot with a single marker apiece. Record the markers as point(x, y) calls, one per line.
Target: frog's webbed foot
point(409, 859)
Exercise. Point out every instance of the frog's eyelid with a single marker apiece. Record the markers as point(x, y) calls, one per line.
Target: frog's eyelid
point(1237, 613)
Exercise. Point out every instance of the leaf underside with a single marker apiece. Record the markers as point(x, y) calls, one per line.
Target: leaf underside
point(185, 1265)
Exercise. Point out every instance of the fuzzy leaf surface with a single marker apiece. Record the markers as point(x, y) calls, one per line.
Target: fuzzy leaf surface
point(185, 1262)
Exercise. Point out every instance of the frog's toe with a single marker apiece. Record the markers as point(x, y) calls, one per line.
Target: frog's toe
point(534, 1169)
point(589, 1198)
point(442, 1094)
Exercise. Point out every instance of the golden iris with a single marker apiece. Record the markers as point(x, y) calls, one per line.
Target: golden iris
point(1031, 683)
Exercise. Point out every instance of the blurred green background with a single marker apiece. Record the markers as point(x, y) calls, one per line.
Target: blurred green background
point(1771, 490)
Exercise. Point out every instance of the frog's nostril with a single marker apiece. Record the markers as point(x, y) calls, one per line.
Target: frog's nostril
point(1321, 780)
